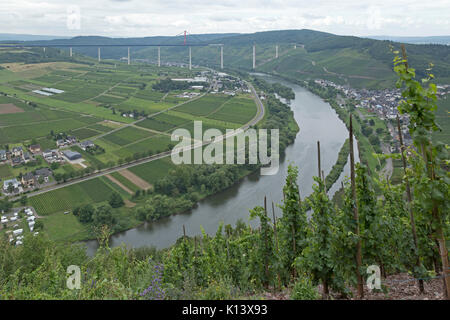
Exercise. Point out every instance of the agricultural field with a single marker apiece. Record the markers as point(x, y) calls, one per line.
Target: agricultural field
point(91, 191)
point(205, 105)
point(127, 135)
point(238, 110)
point(102, 100)
point(5, 171)
point(154, 170)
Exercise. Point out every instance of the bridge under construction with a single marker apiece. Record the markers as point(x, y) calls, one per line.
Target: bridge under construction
point(159, 45)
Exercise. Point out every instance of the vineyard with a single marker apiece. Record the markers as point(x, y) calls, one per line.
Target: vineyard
point(67, 198)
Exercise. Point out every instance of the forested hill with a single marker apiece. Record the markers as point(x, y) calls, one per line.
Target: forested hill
point(359, 62)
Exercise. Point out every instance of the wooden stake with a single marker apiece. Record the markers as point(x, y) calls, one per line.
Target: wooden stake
point(276, 241)
point(355, 214)
point(318, 158)
point(408, 194)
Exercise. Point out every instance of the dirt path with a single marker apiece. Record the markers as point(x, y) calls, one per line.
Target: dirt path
point(135, 179)
point(129, 204)
point(118, 183)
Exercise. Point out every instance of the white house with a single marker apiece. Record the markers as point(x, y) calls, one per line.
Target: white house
point(14, 183)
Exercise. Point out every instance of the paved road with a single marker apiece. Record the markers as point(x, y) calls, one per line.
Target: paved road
point(258, 117)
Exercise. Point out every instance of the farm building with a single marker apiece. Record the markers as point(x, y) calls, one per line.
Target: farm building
point(35, 148)
point(72, 155)
point(42, 93)
point(44, 173)
point(52, 90)
point(16, 161)
point(3, 155)
point(17, 151)
point(71, 139)
point(60, 142)
point(86, 144)
point(26, 157)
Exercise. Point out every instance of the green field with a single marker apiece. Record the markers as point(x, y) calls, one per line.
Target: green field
point(5, 172)
point(127, 183)
point(204, 105)
point(154, 170)
point(238, 110)
point(127, 135)
point(91, 191)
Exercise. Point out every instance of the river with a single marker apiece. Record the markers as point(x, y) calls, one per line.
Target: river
point(317, 121)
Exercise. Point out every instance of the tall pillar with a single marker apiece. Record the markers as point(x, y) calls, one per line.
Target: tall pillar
point(254, 57)
point(159, 56)
point(99, 54)
point(276, 52)
point(221, 57)
point(128, 55)
point(190, 59)
point(295, 46)
point(70, 51)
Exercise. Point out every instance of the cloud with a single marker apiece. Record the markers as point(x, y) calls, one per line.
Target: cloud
point(170, 17)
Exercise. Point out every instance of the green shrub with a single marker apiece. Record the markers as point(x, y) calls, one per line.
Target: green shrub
point(304, 290)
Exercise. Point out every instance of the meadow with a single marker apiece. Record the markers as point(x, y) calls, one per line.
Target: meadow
point(204, 105)
point(67, 198)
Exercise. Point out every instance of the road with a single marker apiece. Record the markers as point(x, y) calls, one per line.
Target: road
point(258, 117)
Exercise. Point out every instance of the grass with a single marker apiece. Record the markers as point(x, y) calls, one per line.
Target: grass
point(5, 173)
point(127, 135)
point(154, 170)
point(64, 227)
point(154, 144)
point(237, 110)
point(204, 105)
point(67, 198)
point(127, 183)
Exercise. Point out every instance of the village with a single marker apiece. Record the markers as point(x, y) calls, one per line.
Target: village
point(383, 104)
point(43, 176)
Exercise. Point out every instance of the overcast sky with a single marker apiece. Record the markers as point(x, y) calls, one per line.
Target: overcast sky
point(136, 18)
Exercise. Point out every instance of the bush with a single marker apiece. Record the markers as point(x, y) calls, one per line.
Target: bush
point(116, 200)
point(304, 290)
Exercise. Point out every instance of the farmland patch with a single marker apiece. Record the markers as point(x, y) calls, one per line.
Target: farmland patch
point(7, 108)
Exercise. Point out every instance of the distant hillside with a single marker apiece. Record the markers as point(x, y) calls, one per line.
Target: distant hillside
point(416, 40)
point(359, 62)
point(27, 37)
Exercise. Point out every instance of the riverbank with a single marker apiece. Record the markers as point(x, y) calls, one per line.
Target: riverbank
point(233, 204)
point(172, 197)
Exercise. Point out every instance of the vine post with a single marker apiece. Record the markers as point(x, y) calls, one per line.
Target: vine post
point(409, 198)
point(355, 214)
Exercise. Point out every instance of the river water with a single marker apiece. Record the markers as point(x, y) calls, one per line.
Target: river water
point(317, 121)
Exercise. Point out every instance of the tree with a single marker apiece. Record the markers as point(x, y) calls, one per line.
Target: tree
point(316, 257)
point(10, 188)
point(427, 174)
point(293, 222)
point(23, 200)
point(103, 216)
point(84, 213)
point(264, 247)
point(116, 200)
